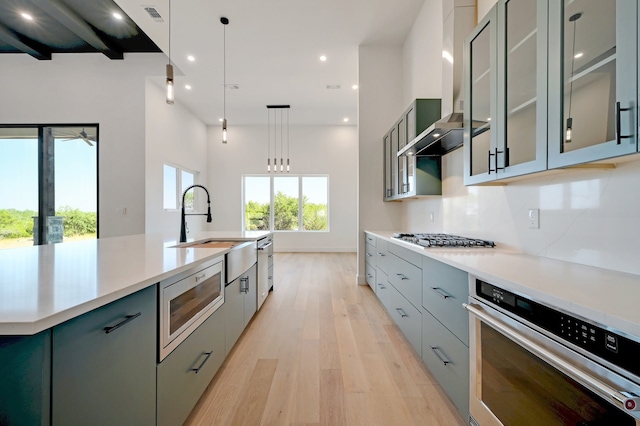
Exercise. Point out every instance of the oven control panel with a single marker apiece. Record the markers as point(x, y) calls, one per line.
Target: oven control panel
point(595, 339)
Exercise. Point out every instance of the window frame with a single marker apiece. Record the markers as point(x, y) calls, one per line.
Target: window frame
point(178, 189)
point(300, 177)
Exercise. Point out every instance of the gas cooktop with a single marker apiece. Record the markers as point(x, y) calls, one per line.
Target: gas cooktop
point(442, 240)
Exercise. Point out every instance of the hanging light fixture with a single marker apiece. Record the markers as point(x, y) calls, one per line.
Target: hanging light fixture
point(569, 132)
point(169, 81)
point(281, 124)
point(224, 22)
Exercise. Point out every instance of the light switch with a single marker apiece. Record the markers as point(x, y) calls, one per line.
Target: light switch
point(534, 219)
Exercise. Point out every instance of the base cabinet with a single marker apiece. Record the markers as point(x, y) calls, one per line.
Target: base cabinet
point(240, 302)
point(184, 375)
point(25, 379)
point(104, 365)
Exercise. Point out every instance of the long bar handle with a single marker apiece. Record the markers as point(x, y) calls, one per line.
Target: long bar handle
point(244, 285)
point(381, 254)
point(575, 373)
point(440, 293)
point(199, 277)
point(402, 313)
point(127, 319)
point(402, 277)
point(382, 287)
point(444, 362)
point(264, 246)
point(206, 358)
point(619, 137)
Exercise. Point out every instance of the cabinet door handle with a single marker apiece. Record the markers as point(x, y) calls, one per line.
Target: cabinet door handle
point(381, 286)
point(369, 276)
point(402, 277)
point(206, 358)
point(369, 254)
point(127, 319)
point(199, 277)
point(619, 137)
point(440, 293)
point(369, 239)
point(244, 285)
point(381, 254)
point(489, 163)
point(435, 350)
point(402, 313)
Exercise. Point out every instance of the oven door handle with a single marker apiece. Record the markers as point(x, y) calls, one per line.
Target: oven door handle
point(576, 374)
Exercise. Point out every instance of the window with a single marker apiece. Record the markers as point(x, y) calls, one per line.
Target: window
point(48, 184)
point(176, 180)
point(286, 203)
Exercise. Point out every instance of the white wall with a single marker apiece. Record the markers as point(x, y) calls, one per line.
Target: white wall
point(379, 106)
point(422, 55)
point(176, 137)
point(313, 150)
point(484, 6)
point(90, 88)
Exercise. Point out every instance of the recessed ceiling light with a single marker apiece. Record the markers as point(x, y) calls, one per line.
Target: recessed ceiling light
point(220, 119)
point(187, 86)
point(489, 119)
point(191, 58)
point(26, 16)
point(579, 55)
point(117, 16)
point(346, 119)
point(323, 58)
point(354, 87)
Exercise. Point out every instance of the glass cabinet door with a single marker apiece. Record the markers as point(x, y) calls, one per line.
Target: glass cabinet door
point(402, 161)
point(387, 167)
point(480, 86)
point(393, 135)
point(521, 137)
point(593, 80)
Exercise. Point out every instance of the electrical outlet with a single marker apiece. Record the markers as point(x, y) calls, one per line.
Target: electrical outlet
point(534, 219)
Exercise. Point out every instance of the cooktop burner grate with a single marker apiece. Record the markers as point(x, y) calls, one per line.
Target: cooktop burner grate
point(442, 240)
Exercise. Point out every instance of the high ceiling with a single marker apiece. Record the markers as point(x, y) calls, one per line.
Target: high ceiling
point(272, 50)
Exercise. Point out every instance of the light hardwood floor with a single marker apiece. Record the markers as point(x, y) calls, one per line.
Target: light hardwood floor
point(322, 351)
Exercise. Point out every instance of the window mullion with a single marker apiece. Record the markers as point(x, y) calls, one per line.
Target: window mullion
point(300, 203)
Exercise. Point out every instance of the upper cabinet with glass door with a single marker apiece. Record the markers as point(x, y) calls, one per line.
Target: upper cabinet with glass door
point(506, 83)
point(593, 80)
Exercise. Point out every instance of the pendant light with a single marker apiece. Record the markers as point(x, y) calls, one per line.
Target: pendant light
point(569, 132)
point(275, 124)
point(224, 22)
point(169, 81)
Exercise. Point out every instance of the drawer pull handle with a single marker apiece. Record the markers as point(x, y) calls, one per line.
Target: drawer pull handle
point(199, 277)
point(435, 350)
point(244, 285)
point(381, 286)
point(402, 277)
point(369, 276)
point(369, 239)
point(208, 354)
point(369, 254)
point(127, 319)
point(402, 313)
point(440, 293)
point(381, 254)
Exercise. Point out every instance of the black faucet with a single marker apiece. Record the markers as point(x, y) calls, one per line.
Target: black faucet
point(183, 225)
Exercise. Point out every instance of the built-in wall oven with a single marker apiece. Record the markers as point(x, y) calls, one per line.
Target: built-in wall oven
point(532, 364)
point(186, 301)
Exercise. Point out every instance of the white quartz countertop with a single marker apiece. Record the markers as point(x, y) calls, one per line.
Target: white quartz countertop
point(607, 297)
point(43, 286)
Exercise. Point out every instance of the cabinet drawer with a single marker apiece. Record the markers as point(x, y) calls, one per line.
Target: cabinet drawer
point(104, 364)
point(403, 313)
point(448, 360)
point(406, 278)
point(370, 271)
point(445, 289)
point(406, 254)
point(369, 239)
point(179, 385)
point(382, 254)
point(370, 254)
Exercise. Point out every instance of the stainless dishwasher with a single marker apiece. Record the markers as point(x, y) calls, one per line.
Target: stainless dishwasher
point(265, 268)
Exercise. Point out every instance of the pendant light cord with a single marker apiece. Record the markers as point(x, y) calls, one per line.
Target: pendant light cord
point(224, 71)
point(170, 32)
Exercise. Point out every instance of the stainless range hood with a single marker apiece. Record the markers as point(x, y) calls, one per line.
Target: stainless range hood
point(446, 134)
point(441, 137)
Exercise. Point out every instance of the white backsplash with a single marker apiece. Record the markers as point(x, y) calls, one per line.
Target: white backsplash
point(586, 216)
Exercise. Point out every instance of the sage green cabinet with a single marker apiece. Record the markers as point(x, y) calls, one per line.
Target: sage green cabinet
point(240, 302)
point(506, 83)
point(408, 176)
point(25, 379)
point(104, 364)
point(593, 84)
point(187, 371)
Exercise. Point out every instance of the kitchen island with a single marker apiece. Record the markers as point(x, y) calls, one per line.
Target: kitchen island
point(79, 330)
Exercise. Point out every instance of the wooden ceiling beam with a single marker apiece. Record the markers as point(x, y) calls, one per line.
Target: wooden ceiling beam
point(25, 45)
point(72, 21)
